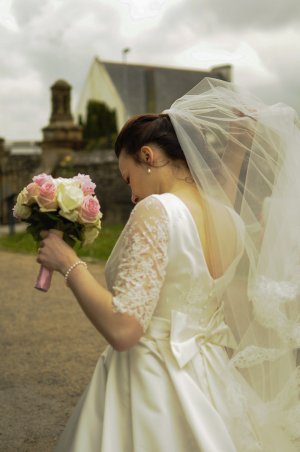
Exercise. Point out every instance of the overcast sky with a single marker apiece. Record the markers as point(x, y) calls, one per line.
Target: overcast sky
point(45, 40)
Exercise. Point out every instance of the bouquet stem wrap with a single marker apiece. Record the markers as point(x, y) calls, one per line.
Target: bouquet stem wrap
point(44, 277)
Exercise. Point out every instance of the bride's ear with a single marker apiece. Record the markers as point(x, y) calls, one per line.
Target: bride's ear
point(147, 155)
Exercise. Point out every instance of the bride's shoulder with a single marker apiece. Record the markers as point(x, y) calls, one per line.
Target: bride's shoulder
point(149, 207)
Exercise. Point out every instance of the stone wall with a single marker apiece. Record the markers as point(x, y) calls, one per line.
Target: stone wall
point(15, 172)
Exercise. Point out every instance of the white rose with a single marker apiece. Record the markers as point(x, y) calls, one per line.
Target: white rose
point(90, 234)
point(97, 224)
point(72, 216)
point(69, 196)
point(21, 211)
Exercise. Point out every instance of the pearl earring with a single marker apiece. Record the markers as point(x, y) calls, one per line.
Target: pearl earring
point(148, 170)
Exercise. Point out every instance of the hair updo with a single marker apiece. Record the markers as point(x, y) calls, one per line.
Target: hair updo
point(148, 129)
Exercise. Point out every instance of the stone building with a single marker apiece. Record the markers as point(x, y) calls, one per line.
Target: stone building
point(128, 89)
point(61, 137)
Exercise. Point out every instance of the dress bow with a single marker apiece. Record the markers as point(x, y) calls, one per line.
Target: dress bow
point(186, 339)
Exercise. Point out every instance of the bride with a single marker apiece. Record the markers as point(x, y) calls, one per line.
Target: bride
point(201, 313)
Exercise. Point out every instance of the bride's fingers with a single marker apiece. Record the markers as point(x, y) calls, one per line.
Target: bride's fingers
point(41, 245)
point(38, 258)
point(44, 234)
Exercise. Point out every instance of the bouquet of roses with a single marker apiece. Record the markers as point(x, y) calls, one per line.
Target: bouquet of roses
point(65, 205)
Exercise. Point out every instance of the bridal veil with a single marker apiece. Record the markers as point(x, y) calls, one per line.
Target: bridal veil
point(246, 155)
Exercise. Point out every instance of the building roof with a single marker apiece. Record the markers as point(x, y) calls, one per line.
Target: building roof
point(152, 88)
point(61, 83)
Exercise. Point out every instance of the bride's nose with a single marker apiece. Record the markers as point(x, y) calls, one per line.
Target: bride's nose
point(134, 199)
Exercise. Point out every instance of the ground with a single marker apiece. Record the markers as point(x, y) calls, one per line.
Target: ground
point(48, 353)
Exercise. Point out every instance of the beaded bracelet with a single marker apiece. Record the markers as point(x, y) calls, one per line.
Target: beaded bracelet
point(71, 268)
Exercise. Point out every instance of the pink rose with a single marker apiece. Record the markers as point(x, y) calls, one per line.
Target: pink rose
point(89, 210)
point(42, 178)
point(47, 198)
point(33, 190)
point(87, 186)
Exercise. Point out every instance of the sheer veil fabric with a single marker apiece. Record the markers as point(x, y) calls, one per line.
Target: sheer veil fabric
point(246, 155)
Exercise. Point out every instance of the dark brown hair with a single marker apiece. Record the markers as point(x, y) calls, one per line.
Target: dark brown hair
point(149, 129)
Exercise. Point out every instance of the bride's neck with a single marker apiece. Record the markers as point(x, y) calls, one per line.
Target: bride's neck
point(178, 180)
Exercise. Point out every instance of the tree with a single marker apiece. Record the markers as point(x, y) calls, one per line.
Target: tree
point(100, 127)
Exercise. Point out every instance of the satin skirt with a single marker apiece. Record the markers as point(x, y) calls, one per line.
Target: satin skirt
point(144, 400)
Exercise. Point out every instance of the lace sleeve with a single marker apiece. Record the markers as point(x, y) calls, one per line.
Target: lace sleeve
point(142, 265)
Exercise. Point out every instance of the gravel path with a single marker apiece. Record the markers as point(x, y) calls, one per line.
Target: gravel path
point(48, 353)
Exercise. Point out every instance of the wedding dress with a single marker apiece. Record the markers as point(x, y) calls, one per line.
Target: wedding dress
point(176, 389)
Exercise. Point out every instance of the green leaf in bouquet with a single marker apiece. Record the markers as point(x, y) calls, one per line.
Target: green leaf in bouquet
point(69, 240)
point(52, 216)
point(34, 231)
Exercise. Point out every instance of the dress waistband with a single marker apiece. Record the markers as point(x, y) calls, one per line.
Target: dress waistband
point(186, 338)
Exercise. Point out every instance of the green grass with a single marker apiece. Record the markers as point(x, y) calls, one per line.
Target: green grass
point(99, 250)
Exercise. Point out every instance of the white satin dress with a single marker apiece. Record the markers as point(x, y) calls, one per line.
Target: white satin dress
point(172, 391)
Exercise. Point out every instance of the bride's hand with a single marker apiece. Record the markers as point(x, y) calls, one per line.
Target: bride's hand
point(54, 253)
